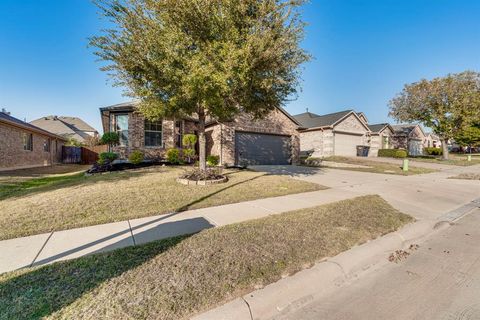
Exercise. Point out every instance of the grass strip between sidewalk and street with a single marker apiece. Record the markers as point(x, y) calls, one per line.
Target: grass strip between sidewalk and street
point(467, 176)
point(179, 277)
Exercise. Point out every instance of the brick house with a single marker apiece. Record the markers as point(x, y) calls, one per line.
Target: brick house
point(23, 145)
point(335, 134)
point(244, 140)
point(410, 137)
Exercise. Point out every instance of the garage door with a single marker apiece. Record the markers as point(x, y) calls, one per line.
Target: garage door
point(258, 149)
point(346, 144)
point(415, 147)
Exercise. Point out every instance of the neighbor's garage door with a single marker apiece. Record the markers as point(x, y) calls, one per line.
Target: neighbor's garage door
point(346, 144)
point(257, 149)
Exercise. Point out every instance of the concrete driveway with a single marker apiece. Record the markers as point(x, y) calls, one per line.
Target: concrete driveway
point(426, 196)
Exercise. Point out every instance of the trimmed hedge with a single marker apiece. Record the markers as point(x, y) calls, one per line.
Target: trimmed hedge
point(392, 153)
point(433, 151)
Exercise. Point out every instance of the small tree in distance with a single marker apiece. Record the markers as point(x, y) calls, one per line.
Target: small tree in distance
point(448, 105)
point(203, 58)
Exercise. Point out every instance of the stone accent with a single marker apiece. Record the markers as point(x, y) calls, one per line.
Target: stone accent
point(13, 156)
point(376, 142)
point(201, 182)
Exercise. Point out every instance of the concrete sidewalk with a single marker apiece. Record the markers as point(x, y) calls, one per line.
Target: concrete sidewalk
point(68, 244)
point(425, 197)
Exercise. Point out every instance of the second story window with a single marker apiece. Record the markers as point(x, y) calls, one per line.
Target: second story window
point(27, 141)
point(153, 133)
point(120, 126)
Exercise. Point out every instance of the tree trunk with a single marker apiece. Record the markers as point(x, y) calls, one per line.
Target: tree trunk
point(202, 158)
point(444, 148)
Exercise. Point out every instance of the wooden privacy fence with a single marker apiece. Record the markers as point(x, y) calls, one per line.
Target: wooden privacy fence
point(71, 154)
point(90, 154)
point(83, 155)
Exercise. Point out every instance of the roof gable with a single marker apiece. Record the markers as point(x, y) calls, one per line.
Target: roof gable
point(357, 125)
point(312, 120)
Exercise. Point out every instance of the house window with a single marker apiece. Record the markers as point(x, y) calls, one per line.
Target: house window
point(120, 126)
point(179, 133)
point(27, 141)
point(46, 145)
point(153, 133)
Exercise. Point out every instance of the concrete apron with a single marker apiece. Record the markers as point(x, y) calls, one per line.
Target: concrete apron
point(331, 274)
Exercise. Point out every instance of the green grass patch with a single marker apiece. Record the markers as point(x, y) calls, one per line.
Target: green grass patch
point(78, 201)
point(455, 160)
point(179, 277)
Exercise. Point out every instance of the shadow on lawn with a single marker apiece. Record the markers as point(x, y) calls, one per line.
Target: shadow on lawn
point(45, 290)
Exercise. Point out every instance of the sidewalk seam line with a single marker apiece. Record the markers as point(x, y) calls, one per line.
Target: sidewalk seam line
point(131, 232)
point(41, 249)
point(248, 306)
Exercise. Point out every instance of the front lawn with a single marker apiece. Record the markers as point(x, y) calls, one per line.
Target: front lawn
point(455, 160)
point(179, 277)
point(69, 201)
point(377, 167)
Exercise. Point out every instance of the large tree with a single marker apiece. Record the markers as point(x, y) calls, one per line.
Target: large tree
point(470, 137)
point(447, 105)
point(207, 58)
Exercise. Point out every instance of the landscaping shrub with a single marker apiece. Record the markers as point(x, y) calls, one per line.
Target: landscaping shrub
point(110, 138)
point(106, 157)
point(173, 156)
point(189, 141)
point(313, 162)
point(431, 151)
point(392, 153)
point(136, 157)
point(213, 160)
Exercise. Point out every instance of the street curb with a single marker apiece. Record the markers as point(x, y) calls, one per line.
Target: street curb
point(295, 291)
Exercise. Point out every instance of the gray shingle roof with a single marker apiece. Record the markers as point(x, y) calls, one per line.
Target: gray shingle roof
point(28, 126)
point(312, 120)
point(404, 128)
point(69, 127)
point(377, 127)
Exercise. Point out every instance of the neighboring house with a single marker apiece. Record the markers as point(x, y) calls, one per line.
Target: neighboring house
point(336, 134)
point(273, 140)
point(410, 137)
point(68, 127)
point(23, 145)
point(380, 138)
point(432, 141)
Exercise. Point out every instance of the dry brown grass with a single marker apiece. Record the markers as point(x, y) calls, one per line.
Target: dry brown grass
point(20, 175)
point(378, 167)
point(467, 176)
point(84, 201)
point(176, 278)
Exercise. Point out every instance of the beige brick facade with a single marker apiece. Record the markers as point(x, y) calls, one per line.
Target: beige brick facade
point(13, 155)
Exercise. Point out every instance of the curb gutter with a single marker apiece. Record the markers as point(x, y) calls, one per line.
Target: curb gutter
point(326, 276)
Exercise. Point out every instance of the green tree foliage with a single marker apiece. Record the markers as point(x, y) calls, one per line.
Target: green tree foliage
point(448, 105)
point(72, 142)
point(110, 138)
point(204, 58)
point(469, 137)
point(189, 141)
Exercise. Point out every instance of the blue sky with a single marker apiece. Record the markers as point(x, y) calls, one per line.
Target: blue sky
point(364, 52)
